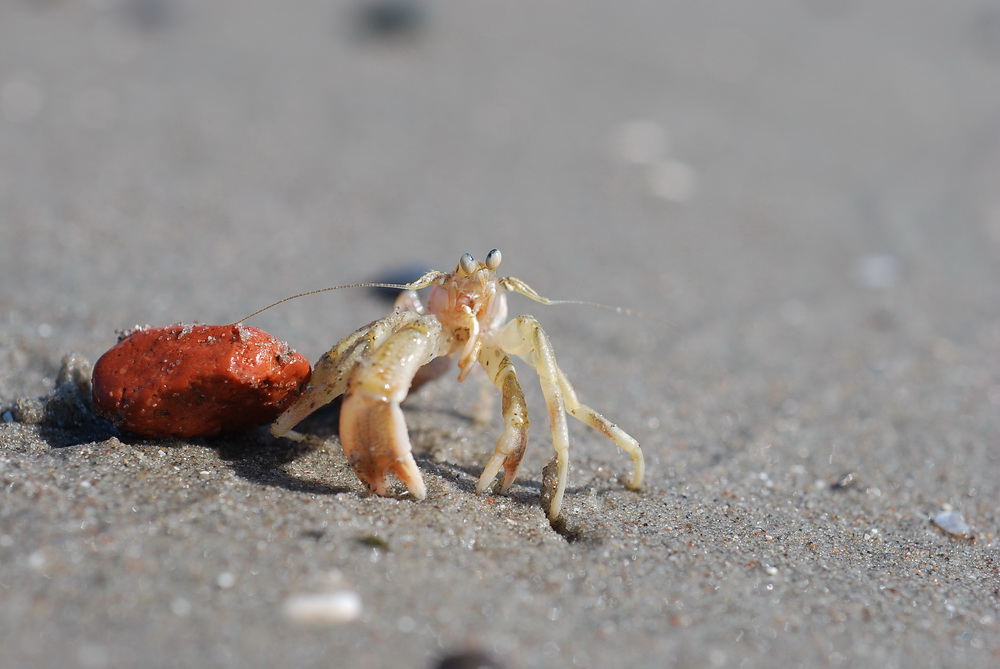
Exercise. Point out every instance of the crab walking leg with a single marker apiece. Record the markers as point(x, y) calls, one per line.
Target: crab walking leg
point(372, 428)
point(525, 338)
point(510, 446)
point(333, 372)
point(595, 420)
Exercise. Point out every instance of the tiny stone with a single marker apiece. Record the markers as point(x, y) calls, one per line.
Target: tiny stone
point(29, 410)
point(952, 522)
point(469, 660)
point(337, 607)
point(391, 18)
point(180, 607)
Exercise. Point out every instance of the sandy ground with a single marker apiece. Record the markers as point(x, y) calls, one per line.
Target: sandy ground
point(806, 191)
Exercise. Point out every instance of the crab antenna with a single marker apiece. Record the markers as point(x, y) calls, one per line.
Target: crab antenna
point(520, 287)
point(618, 310)
point(422, 282)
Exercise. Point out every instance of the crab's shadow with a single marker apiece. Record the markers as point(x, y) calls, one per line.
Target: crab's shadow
point(66, 418)
point(465, 478)
point(261, 458)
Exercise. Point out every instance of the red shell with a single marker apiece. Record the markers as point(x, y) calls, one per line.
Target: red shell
point(197, 380)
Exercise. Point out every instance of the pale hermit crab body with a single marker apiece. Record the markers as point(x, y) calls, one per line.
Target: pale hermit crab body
point(465, 315)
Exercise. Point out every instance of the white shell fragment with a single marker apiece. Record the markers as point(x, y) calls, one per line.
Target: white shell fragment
point(330, 608)
point(953, 523)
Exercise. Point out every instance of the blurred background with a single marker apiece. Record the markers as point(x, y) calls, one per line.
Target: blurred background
point(174, 160)
point(163, 145)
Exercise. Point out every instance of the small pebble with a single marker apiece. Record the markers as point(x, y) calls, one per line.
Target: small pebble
point(225, 580)
point(953, 523)
point(331, 608)
point(846, 480)
point(375, 542)
point(391, 18)
point(469, 660)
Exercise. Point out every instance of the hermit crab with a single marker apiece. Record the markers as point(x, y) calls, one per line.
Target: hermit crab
point(465, 318)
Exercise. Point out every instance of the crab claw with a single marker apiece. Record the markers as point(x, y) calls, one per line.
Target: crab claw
point(508, 454)
point(374, 438)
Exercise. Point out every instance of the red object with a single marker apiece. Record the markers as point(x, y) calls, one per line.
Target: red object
point(197, 380)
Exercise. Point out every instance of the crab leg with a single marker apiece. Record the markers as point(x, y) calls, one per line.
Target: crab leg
point(525, 338)
point(598, 422)
point(372, 428)
point(333, 372)
point(510, 446)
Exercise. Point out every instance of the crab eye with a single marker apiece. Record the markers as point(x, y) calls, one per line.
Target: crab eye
point(467, 265)
point(493, 259)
